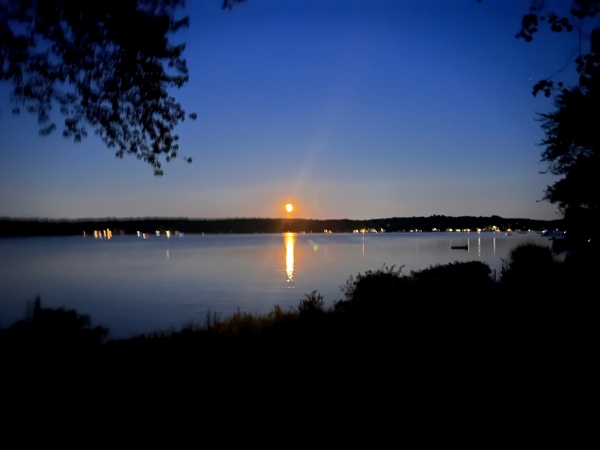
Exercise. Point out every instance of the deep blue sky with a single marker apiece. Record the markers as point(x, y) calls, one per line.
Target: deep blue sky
point(347, 109)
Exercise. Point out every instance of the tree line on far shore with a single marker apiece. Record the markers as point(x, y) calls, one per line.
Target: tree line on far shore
point(45, 227)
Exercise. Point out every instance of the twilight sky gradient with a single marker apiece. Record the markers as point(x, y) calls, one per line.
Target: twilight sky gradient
point(345, 108)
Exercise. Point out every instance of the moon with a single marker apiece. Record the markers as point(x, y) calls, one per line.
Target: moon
point(289, 207)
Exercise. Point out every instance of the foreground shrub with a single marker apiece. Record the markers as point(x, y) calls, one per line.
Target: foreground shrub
point(240, 323)
point(456, 273)
point(311, 304)
point(374, 287)
point(530, 264)
point(55, 329)
point(388, 287)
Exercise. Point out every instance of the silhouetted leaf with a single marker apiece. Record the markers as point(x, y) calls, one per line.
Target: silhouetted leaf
point(529, 25)
point(229, 4)
point(545, 86)
point(47, 130)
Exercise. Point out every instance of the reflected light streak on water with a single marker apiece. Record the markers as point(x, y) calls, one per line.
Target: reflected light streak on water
point(290, 240)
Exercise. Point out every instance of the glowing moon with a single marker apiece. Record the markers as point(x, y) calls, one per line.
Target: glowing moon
point(289, 207)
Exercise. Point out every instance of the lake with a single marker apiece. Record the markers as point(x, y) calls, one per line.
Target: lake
point(133, 285)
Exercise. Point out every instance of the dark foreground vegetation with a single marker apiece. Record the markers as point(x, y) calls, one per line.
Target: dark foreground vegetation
point(449, 336)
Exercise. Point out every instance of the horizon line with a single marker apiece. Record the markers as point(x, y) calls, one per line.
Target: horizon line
point(97, 219)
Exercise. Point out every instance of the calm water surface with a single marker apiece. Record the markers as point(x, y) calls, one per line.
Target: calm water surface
point(134, 285)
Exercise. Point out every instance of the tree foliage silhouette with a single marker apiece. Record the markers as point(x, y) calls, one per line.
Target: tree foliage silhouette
point(107, 65)
point(572, 140)
point(572, 130)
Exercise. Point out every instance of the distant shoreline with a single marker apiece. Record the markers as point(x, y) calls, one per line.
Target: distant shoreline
point(13, 227)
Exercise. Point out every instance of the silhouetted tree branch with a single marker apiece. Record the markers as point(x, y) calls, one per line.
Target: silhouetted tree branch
point(581, 10)
point(573, 129)
point(107, 65)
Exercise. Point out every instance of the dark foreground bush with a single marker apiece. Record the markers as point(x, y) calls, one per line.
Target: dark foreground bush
point(311, 304)
point(457, 274)
point(530, 264)
point(388, 287)
point(54, 330)
point(374, 288)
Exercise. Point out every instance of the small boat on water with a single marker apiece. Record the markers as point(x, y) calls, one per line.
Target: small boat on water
point(459, 247)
